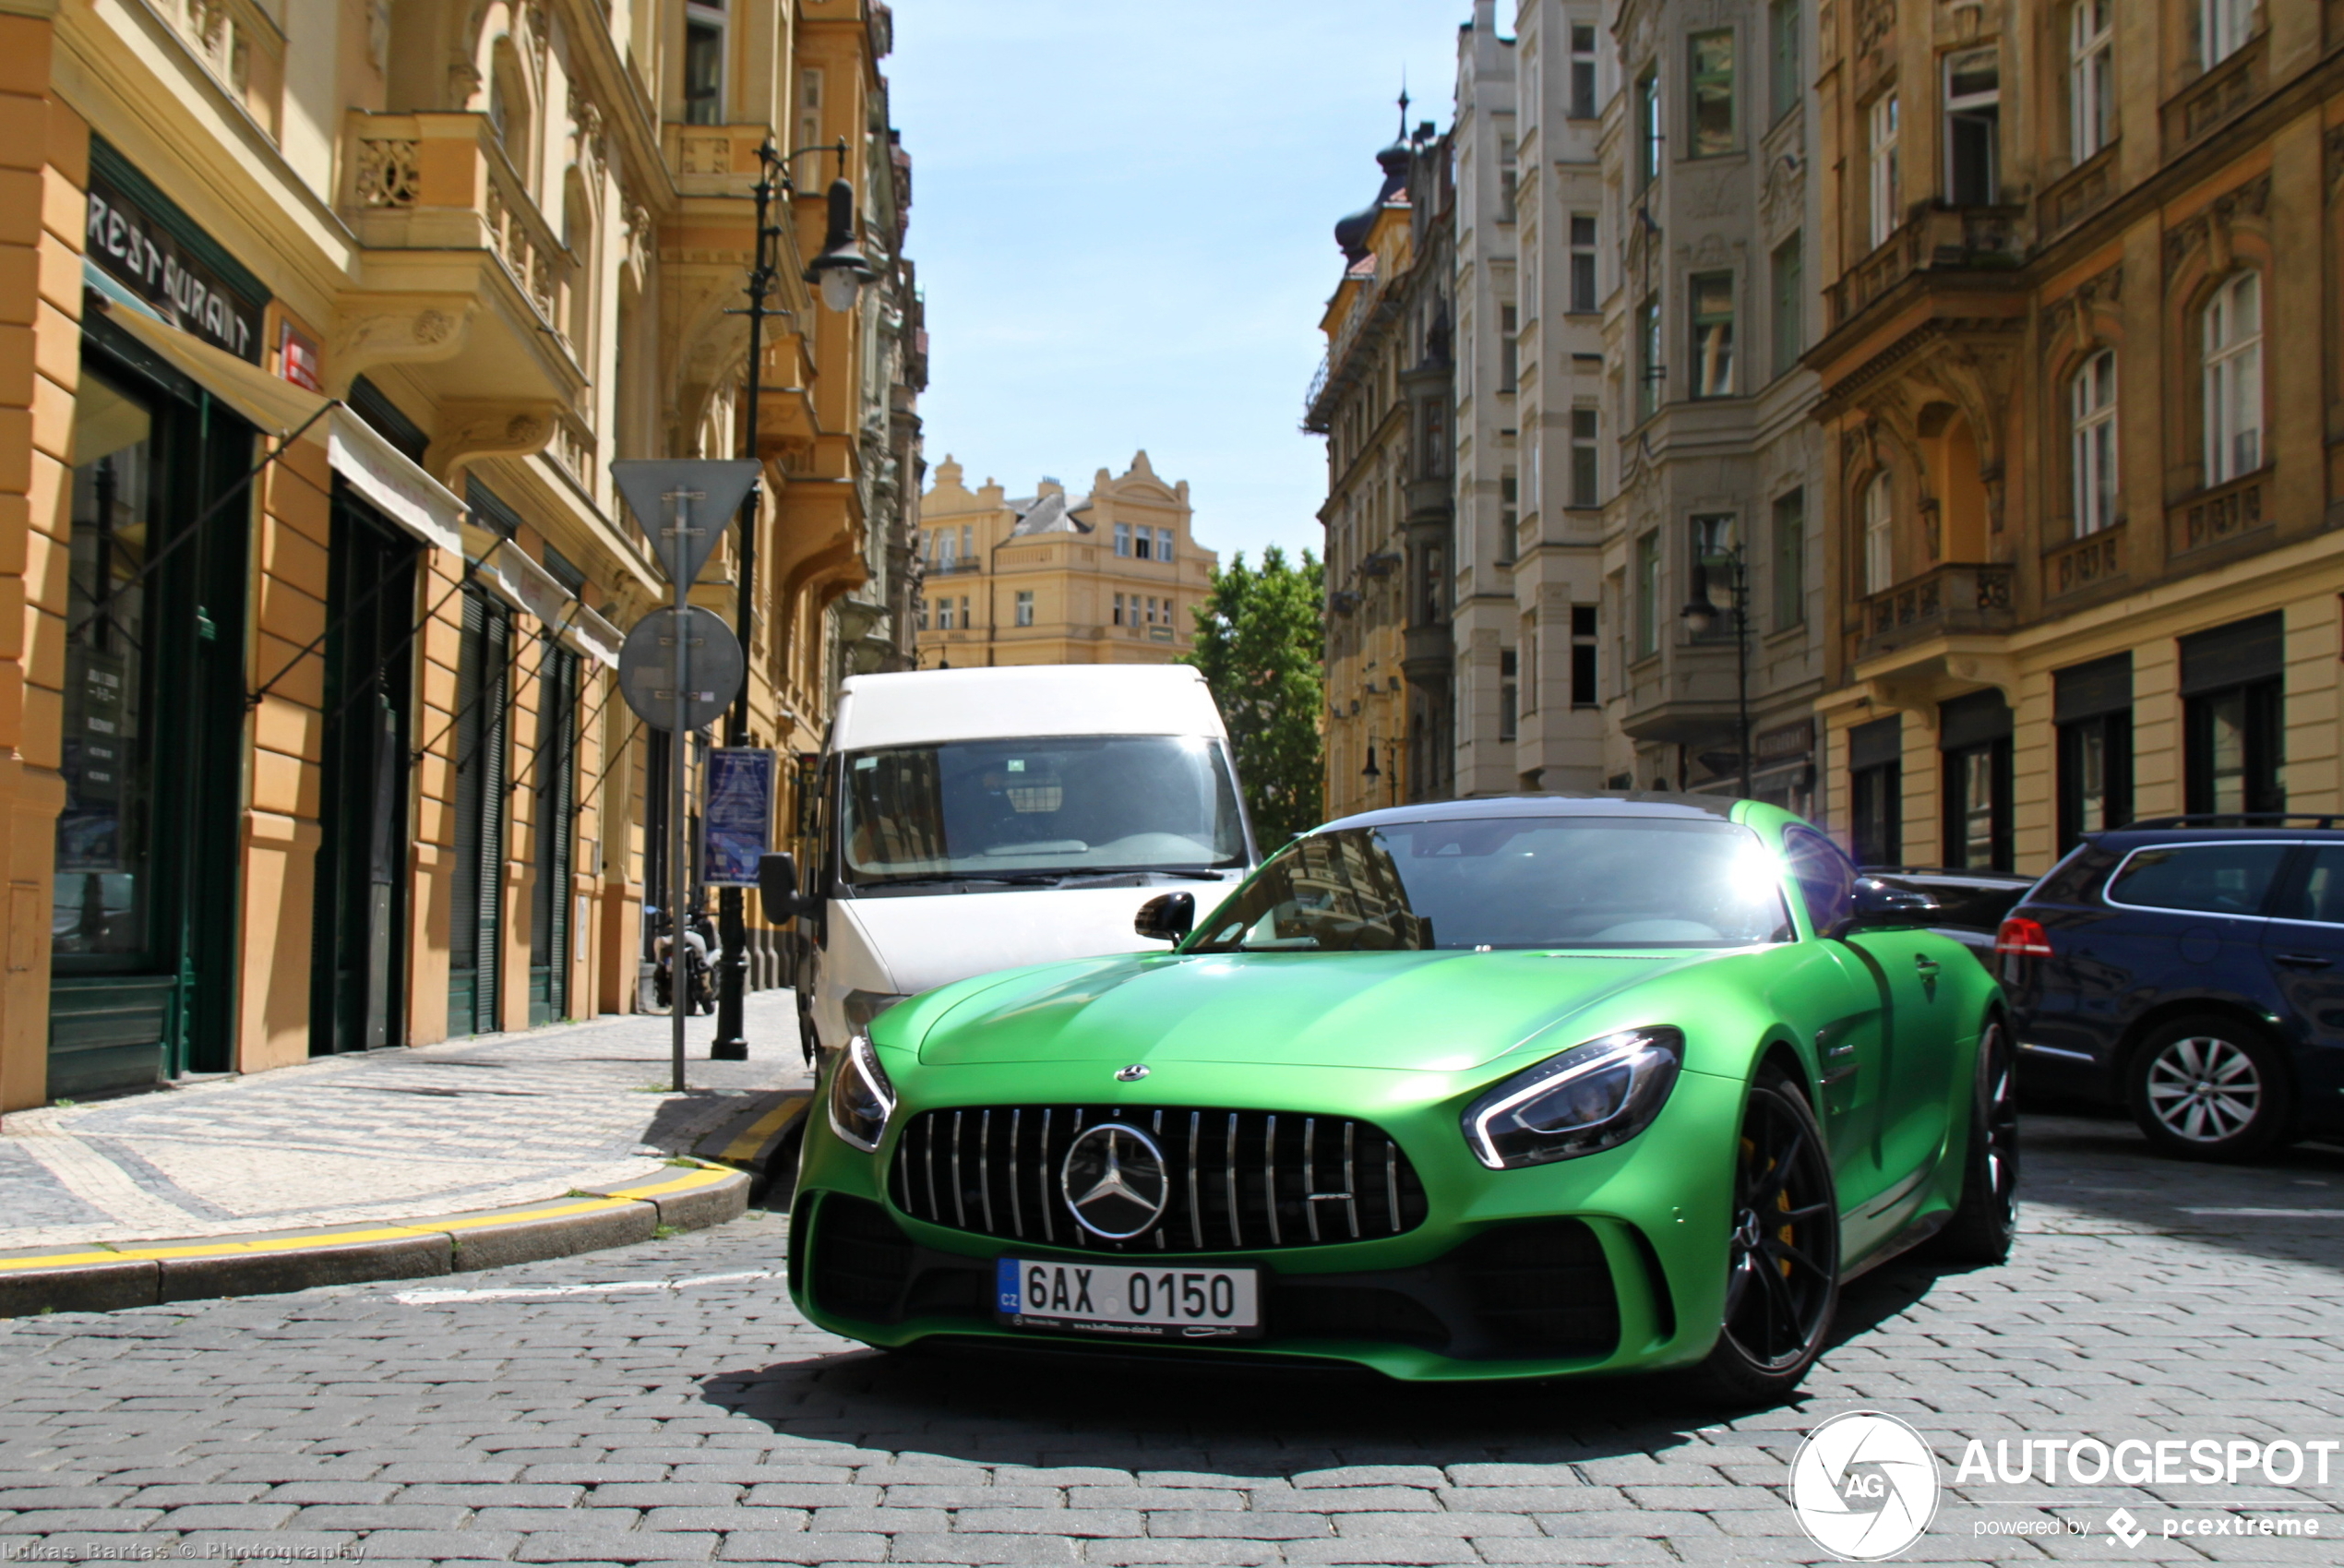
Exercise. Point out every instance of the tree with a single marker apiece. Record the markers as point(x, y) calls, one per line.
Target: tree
point(1262, 646)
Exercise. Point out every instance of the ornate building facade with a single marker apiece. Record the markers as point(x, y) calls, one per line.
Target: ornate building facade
point(2079, 506)
point(326, 323)
point(1113, 577)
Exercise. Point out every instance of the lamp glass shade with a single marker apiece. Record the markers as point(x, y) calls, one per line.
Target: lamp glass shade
point(1701, 616)
point(840, 286)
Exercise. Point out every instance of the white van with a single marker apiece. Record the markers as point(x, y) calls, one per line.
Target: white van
point(968, 821)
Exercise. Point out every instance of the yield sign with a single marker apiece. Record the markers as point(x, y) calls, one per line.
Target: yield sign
point(684, 504)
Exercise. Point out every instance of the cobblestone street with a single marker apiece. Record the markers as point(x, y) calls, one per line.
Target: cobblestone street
point(682, 1412)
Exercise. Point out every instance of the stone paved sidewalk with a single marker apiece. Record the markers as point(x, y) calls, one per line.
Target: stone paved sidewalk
point(470, 1124)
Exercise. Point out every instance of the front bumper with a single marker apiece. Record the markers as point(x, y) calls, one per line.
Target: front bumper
point(1609, 1263)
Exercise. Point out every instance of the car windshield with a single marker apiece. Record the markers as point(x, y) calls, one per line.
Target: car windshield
point(1509, 882)
point(1039, 810)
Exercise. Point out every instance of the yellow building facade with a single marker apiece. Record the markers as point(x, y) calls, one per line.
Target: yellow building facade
point(320, 328)
point(1113, 577)
point(2083, 384)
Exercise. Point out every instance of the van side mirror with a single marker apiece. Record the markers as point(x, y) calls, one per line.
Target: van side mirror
point(777, 887)
point(1883, 907)
point(1167, 917)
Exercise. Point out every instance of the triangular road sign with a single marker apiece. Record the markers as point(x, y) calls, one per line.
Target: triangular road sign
point(683, 505)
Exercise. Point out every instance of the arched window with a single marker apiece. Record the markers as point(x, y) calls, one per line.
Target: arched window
point(2233, 331)
point(1880, 574)
point(2092, 407)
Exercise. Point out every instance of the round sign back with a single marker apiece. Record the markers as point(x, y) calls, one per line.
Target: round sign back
point(647, 668)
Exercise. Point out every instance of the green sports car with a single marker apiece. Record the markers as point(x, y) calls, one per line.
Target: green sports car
point(1483, 1089)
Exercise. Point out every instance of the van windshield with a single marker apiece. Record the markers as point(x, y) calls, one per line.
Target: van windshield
point(1038, 810)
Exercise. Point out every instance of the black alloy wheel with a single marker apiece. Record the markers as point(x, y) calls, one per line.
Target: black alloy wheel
point(1782, 1266)
point(1986, 1220)
point(2209, 1087)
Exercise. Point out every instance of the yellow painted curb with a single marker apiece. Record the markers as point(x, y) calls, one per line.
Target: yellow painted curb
point(755, 1136)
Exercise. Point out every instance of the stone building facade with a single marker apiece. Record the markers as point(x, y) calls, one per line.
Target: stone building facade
point(324, 325)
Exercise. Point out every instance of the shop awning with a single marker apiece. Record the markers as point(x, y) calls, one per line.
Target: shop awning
point(382, 475)
point(510, 575)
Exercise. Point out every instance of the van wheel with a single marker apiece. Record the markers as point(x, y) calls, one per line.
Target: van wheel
point(2207, 1087)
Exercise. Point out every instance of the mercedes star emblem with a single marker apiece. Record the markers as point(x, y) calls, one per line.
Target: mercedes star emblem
point(1114, 1182)
point(1132, 1073)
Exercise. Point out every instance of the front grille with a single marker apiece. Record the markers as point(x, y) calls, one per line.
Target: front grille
point(1239, 1179)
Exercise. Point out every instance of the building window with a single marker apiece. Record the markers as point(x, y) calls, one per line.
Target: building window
point(919, 614)
point(1712, 544)
point(1973, 128)
point(1887, 171)
point(1790, 560)
point(1877, 792)
point(2233, 696)
point(1649, 370)
point(1163, 544)
point(1582, 262)
point(1583, 457)
point(2092, 712)
point(1509, 324)
point(1880, 511)
point(2222, 28)
point(1583, 71)
point(1119, 609)
point(1712, 334)
point(1974, 734)
point(1648, 594)
point(1508, 693)
point(2091, 76)
point(1509, 497)
point(810, 108)
point(944, 618)
point(2233, 328)
point(1124, 539)
point(1713, 92)
point(2093, 400)
point(1789, 324)
point(948, 549)
point(1648, 129)
point(1782, 36)
point(1582, 655)
point(703, 64)
point(1025, 606)
point(968, 543)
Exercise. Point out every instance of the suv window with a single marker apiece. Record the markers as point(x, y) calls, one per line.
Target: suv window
point(2219, 879)
point(1826, 877)
point(2319, 893)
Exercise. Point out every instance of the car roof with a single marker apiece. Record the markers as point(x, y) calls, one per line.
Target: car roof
point(2120, 839)
point(1603, 803)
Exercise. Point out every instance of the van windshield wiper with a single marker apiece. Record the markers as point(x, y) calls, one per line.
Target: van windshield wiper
point(1186, 873)
point(951, 879)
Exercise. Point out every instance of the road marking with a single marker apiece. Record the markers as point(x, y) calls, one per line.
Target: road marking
point(2268, 1214)
point(754, 1136)
point(547, 1292)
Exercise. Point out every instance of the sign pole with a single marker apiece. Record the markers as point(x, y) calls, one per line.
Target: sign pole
point(678, 837)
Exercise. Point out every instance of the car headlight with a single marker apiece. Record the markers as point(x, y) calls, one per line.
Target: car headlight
point(861, 1007)
point(1592, 1097)
point(861, 1098)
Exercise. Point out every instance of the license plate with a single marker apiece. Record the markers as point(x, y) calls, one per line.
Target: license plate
point(1130, 1301)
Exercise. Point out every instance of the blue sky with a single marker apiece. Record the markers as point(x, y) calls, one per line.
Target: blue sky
point(1122, 217)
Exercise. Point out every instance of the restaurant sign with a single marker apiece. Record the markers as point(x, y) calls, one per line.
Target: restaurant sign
point(136, 246)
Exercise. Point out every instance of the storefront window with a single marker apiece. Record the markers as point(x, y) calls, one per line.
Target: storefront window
point(104, 833)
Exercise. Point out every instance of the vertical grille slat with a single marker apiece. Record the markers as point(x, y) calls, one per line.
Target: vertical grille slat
point(1276, 1172)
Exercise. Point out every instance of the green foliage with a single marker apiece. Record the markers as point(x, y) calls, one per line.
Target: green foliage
point(1262, 646)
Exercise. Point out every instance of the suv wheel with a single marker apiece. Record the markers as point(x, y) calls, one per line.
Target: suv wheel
point(2210, 1088)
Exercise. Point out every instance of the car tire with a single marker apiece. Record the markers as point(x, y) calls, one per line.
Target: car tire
point(1782, 1278)
point(2209, 1087)
point(1985, 1220)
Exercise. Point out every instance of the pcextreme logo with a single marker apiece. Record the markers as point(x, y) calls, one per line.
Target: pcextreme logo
point(1864, 1486)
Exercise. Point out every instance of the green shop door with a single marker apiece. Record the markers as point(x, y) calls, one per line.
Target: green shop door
point(476, 905)
point(145, 913)
point(356, 953)
point(554, 780)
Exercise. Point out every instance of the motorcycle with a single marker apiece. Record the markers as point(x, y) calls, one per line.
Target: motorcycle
point(703, 953)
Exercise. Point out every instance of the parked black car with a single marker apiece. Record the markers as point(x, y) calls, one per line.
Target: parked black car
point(1971, 904)
point(2190, 969)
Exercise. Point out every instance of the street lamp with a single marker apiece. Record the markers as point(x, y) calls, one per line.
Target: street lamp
point(1702, 617)
point(842, 270)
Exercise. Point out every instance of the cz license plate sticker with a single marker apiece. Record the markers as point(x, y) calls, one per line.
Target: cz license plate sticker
point(1129, 1301)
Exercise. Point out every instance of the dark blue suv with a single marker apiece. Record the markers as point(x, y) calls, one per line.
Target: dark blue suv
point(2190, 969)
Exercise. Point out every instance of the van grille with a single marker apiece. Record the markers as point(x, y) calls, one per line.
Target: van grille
point(1238, 1180)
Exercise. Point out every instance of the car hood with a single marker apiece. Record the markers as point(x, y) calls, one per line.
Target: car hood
point(1434, 1011)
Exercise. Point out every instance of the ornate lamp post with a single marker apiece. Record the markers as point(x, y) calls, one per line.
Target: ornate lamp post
point(1702, 616)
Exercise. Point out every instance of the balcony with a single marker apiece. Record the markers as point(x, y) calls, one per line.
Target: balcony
point(2219, 514)
point(1952, 600)
point(461, 268)
point(718, 160)
point(1939, 239)
point(2077, 193)
point(2087, 562)
point(2215, 98)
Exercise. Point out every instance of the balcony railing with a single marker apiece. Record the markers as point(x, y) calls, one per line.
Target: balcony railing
point(1953, 598)
point(441, 180)
point(2220, 513)
point(2083, 563)
point(2221, 92)
point(1938, 239)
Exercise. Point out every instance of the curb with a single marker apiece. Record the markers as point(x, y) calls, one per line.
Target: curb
point(108, 1276)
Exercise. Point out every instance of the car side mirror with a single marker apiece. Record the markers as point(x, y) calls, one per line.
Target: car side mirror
point(777, 888)
point(1167, 917)
point(1881, 906)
